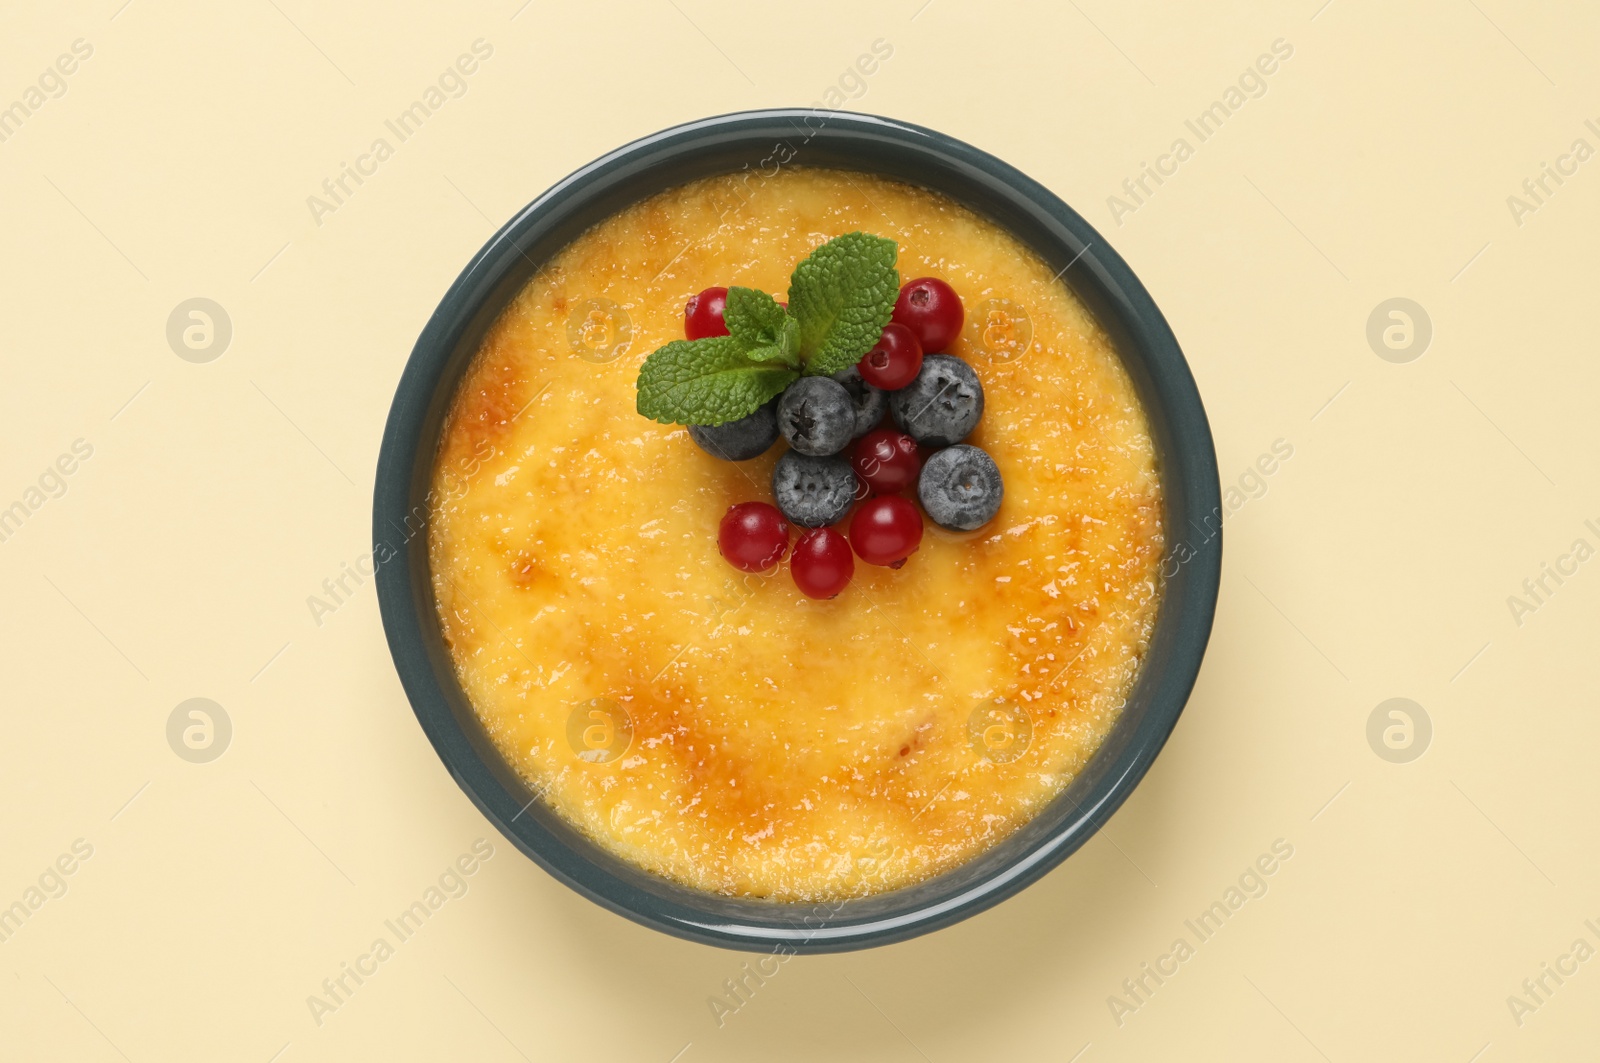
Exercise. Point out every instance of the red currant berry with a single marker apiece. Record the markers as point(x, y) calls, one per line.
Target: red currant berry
point(753, 536)
point(931, 309)
point(887, 461)
point(702, 314)
point(894, 360)
point(886, 530)
point(822, 564)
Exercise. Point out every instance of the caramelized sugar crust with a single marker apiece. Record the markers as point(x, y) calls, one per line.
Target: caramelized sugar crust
point(782, 747)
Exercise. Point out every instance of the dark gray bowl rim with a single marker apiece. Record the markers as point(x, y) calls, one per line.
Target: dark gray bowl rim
point(761, 142)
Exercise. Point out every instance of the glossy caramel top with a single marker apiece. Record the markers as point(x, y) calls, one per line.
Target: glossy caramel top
point(722, 729)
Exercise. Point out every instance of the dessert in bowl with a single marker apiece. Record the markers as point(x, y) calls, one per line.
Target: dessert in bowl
point(892, 731)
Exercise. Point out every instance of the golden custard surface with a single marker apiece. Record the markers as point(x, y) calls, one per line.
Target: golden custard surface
point(783, 747)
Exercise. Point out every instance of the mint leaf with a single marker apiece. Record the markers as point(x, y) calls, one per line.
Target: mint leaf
point(707, 382)
point(842, 295)
point(774, 353)
point(755, 319)
point(789, 340)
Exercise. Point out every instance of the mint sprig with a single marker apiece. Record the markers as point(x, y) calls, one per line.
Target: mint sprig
point(840, 298)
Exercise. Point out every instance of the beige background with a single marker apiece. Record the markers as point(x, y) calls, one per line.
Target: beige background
point(1377, 565)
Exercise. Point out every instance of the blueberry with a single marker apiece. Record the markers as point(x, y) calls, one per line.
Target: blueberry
point(960, 488)
point(739, 440)
point(942, 405)
point(813, 491)
point(869, 401)
point(816, 416)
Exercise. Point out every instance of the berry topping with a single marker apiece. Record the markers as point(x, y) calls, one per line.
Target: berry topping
point(931, 309)
point(886, 460)
point(753, 536)
point(894, 360)
point(960, 487)
point(822, 564)
point(886, 530)
point(813, 491)
point(739, 440)
point(942, 405)
point(702, 314)
point(816, 416)
point(870, 403)
point(821, 370)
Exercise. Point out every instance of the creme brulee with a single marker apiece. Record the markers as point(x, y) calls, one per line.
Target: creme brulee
point(721, 729)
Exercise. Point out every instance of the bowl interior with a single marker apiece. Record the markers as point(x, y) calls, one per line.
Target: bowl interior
point(764, 142)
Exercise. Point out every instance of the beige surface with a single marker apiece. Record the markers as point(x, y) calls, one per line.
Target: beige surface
point(179, 560)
